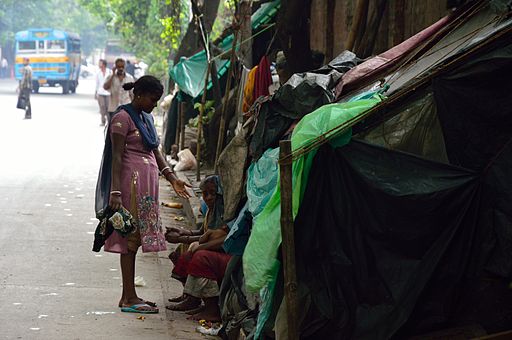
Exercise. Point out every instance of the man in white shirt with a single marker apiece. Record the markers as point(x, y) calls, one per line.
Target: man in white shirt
point(102, 95)
point(114, 84)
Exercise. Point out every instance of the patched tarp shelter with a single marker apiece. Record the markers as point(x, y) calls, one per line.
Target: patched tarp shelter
point(399, 229)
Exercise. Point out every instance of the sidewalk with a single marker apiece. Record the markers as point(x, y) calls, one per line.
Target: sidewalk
point(181, 328)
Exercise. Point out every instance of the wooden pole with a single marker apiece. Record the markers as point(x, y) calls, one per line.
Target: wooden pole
point(178, 124)
point(182, 127)
point(288, 241)
point(222, 125)
point(357, 22)
point(200, 122)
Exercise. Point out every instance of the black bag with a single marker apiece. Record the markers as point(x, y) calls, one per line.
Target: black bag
point(22, 101)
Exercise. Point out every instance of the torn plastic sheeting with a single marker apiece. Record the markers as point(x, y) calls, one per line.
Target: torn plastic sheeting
point(259, 259)
point(262, 180)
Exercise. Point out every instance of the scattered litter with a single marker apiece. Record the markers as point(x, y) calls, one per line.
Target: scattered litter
point(34, 328)
point(175, 205)
point(139, 281)
point(179, 218)
point(69, 284)
point(207, 328)
point(50, 294)
point(141, 317)
point(99, 313)
point(17, 303)
point(42, 316)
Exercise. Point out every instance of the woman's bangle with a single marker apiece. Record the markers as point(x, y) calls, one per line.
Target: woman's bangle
point(166, 168)
point(115, 192)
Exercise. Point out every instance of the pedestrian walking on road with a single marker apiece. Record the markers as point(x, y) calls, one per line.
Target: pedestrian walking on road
point(102, 95)
point(132, 154)
point(114, 84)
point(4, 68)
point(25, 87)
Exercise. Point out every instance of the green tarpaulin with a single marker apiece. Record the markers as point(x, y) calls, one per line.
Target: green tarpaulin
point(260, 256)
point(190, 72)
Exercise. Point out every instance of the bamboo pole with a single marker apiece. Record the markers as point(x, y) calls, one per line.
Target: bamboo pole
point(200, 122)
point(178, 124)
point(357, 22)
point(288, 241)
point(182, 127)
point(222, 125)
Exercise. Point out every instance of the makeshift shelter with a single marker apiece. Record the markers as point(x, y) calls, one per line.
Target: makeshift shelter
point(398, 226)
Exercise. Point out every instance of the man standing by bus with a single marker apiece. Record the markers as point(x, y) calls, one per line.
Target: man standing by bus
point(114, 84)
point(26, 86)
point(102, 95)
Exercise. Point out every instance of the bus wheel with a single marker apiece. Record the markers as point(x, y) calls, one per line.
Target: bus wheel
point(65, 87)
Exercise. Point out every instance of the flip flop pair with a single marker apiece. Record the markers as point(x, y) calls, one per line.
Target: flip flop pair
point(137, 308)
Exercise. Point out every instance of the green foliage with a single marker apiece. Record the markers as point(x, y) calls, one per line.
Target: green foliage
point(209, 107)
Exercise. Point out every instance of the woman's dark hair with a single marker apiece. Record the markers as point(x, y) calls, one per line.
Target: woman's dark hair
point(145, 85)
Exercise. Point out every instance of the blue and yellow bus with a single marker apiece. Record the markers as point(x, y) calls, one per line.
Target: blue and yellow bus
point(54, 57)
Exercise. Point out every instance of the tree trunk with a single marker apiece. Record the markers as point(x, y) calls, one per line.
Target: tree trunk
point(191, 42)
point(293, 32)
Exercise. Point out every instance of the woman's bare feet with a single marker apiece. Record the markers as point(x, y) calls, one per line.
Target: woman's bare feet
point(124, 303)
point(188, 303)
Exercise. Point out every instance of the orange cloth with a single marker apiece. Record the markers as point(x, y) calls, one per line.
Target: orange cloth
point(249, 89)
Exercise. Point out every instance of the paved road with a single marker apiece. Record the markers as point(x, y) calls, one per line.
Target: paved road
point(51, 285)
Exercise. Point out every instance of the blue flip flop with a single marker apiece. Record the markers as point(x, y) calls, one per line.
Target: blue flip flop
point(135, 309)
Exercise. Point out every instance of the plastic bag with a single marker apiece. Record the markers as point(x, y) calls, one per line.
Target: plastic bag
point(187, 161)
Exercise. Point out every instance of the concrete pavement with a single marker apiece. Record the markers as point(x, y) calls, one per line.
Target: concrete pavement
point(52, 285)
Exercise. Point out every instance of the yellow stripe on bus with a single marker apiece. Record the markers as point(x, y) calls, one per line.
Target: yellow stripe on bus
point(19, 60)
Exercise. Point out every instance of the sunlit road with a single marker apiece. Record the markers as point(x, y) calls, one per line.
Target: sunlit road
point(51, 285)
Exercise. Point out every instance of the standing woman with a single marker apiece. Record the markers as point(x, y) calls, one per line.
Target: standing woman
point(135, 162)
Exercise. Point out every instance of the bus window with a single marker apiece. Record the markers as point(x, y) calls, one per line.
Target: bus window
point(55, 45)
point(27, 46)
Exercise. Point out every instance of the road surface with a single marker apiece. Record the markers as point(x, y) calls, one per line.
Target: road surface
point(52, 286)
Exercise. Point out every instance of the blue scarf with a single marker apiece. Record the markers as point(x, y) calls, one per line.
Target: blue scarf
point(150, 140)
point(145, 124)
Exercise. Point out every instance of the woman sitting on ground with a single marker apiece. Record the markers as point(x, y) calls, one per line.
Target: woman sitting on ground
point(209, 237)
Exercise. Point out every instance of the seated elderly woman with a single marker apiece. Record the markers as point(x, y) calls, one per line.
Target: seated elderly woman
point(201, 269)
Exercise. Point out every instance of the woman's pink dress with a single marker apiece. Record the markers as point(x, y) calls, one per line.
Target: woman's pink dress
point(139, 188)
